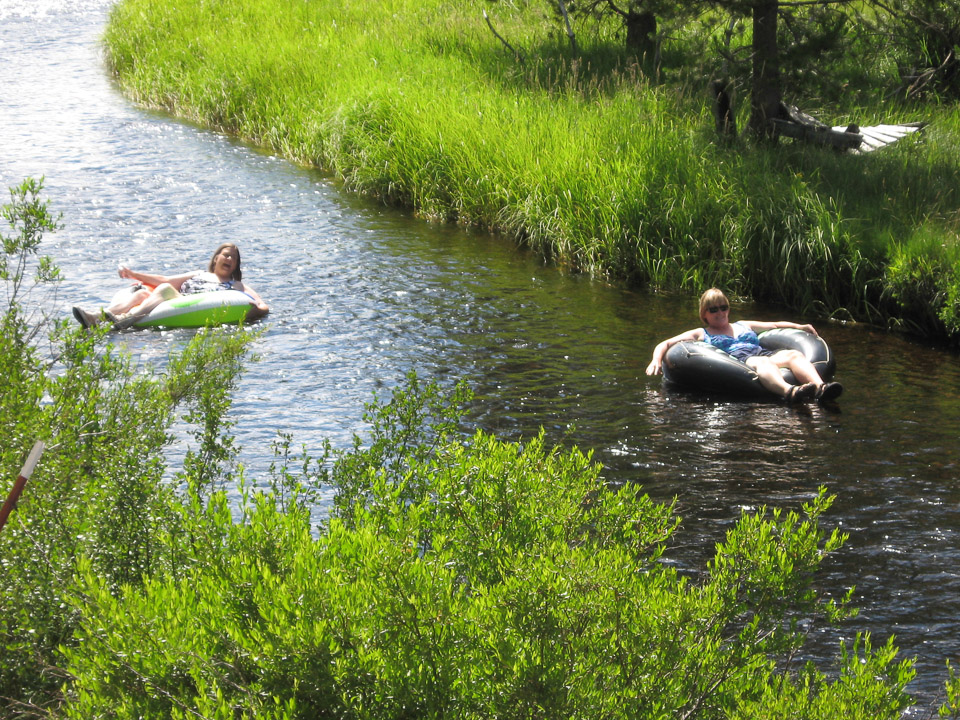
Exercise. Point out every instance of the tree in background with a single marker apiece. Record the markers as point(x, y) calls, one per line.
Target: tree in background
point(927, 35)
point(787, 38)
point(639, 19)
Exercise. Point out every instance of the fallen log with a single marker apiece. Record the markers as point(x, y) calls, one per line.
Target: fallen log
point(796, 124)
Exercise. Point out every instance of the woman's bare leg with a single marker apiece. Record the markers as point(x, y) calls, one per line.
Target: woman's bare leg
point(158, 295)
point(126, 311)
point(769, 374)
point(810, 384)
point(801, 368)
point(125, 304)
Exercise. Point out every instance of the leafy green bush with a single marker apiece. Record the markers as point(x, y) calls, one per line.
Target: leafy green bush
point(99, 491)
point(474, 578)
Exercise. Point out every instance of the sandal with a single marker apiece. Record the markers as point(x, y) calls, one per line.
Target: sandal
point(829, 391)
point(124, 321)
point(800, 392)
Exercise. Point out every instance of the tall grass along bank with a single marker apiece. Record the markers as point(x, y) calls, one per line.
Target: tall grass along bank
point(583, 158)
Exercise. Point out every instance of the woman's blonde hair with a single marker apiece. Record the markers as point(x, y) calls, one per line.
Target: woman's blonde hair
point(711, 297)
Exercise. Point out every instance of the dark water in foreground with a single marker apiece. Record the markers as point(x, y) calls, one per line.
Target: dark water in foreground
point(361, 295)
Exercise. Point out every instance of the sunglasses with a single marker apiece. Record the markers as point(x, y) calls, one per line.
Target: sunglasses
point(718, 308)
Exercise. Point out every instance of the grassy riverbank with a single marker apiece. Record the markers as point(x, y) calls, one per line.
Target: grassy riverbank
point(589, 162)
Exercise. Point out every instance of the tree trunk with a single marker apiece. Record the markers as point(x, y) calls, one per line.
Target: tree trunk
point(765, 96)
point(641, 32)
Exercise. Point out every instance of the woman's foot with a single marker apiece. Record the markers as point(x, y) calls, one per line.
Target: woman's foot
point(799, 393)
point(86, 319)
point(829, 391)
point(122, 322)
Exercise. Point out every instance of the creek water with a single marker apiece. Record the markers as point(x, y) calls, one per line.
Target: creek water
point(360, 295)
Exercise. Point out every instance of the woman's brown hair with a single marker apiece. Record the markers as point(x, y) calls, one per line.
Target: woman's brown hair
point(237, 274)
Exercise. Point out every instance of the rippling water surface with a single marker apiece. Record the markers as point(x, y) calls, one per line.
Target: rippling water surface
point(360, 295)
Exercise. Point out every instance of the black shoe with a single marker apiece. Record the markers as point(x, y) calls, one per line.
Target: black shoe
point(829, 391)
point(799, 393)
point(87, 320)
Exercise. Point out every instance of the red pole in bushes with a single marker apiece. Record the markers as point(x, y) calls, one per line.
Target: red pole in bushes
point(25, 473)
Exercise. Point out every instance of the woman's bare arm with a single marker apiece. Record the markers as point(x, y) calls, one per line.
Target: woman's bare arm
point(759, 326)
point(260, 308)
point(656, 364)
point(154, 279)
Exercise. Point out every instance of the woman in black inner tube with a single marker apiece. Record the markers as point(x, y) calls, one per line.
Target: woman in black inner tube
point(739, 339)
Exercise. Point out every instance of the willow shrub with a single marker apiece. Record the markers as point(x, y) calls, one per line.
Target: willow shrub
point(99, 493)
point(469, 577)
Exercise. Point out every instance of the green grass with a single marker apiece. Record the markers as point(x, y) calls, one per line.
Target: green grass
point(588, 161)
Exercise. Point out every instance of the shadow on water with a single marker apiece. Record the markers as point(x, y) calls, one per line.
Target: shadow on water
point(361, 295)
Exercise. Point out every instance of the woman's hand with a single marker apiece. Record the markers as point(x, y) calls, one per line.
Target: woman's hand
point(258, 308)
point(125, 272)
point(656, 362)
point(257, 311)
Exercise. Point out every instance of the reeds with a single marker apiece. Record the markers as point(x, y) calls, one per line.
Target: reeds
point(584, 159)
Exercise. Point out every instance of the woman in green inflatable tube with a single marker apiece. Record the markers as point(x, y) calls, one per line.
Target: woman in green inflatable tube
point(222, 273)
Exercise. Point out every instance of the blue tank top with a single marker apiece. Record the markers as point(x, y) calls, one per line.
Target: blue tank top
point(743, 345)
